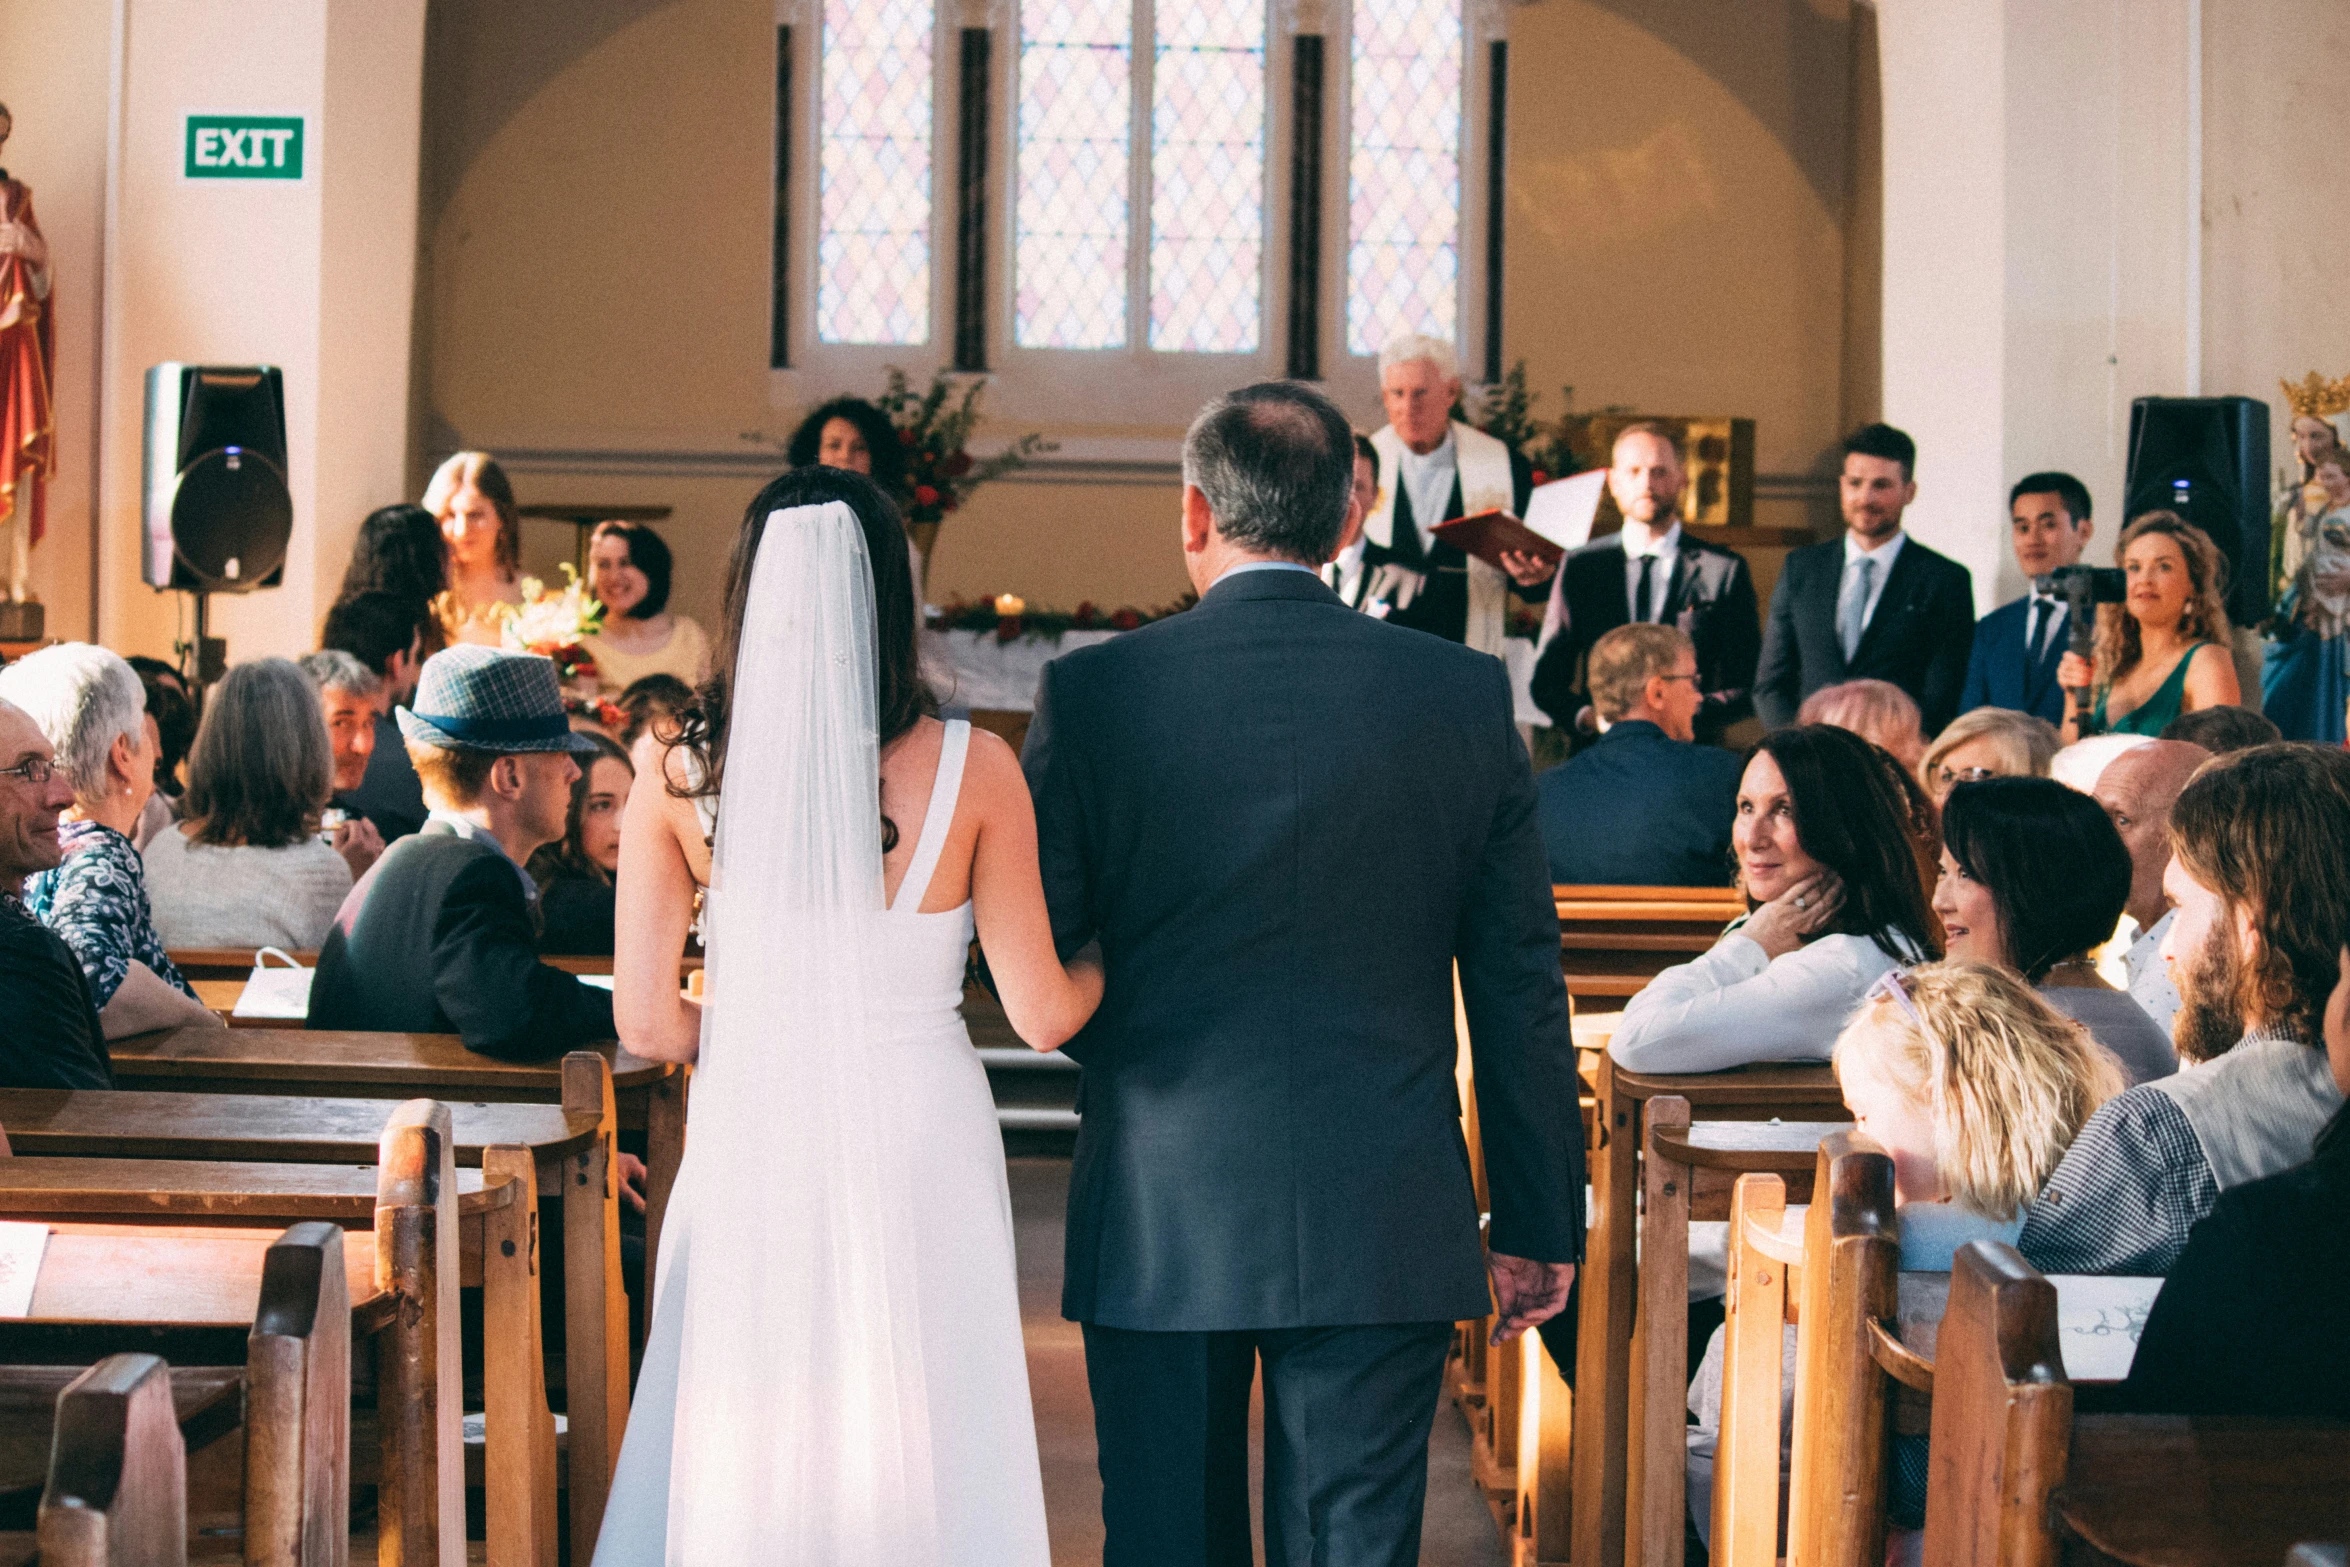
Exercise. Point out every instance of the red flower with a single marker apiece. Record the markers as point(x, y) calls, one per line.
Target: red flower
point(958, 465)
point(1540, 477)
point(1125, 620)
point(1007, 628)
point(924, 495)
point(905, 437)
point(1085, 616)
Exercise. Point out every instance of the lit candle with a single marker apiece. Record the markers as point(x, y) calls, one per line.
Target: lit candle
point(1010, 604)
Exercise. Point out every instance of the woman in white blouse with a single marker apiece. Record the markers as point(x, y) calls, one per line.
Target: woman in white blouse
point(1832, 836)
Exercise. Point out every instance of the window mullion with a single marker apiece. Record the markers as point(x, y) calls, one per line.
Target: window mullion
point(1142, 144)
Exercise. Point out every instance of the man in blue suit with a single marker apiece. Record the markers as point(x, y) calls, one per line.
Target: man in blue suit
point(2018, 645)
point(1646, 806)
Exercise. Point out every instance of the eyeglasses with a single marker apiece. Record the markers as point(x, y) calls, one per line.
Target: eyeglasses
point(1680, 677)
point(35, 770)
point(1963, 775)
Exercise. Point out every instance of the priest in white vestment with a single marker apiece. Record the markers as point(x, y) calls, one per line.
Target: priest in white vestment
point(1432, 469)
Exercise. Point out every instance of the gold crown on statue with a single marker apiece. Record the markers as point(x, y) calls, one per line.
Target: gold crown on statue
point(2316, 397)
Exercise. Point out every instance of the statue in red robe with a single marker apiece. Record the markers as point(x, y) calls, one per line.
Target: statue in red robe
point(27, 372)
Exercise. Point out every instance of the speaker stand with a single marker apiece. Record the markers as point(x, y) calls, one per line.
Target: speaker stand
point(211, 652)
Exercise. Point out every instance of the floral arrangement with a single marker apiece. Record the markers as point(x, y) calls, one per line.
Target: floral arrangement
point(555, 625)
point(935, 428)
point(1008, 618)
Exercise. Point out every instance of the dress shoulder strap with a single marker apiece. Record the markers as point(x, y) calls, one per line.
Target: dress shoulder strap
point(944, 790)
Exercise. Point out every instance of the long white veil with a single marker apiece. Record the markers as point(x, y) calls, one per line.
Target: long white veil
point(802, 1432)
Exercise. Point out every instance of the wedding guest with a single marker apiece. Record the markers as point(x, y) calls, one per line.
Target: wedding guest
point(440, 936)
point(1645, 806)
point(2137, 790)
point(387, 634)
point(849, 432)
point(2253, 1319)
point(1829, 834)
point(1990, 742)
point(2018, 645)
point(1651, 571)
point(1878, 711)
point(1875, 604)
point(399, 551)
point(248, 867)
point(2034, 875)
point(574, 873)
point(2260, 873)
point(628, 571)
point(2080, 764)
point(2220, 730)
point(474, 504)
point(172, 710)
point(350, 695)
point(1344, 574)
point(92, 711)
point(2164, 650)
point(651, 700)
point(54, 1038)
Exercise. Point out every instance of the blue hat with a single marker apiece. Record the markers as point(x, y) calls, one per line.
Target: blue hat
point(473, 698)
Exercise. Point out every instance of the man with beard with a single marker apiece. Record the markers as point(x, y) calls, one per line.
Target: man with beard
point(2137, 788)
point(2260, 877)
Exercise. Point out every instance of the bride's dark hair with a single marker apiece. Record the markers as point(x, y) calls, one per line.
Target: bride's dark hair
point(903, 700)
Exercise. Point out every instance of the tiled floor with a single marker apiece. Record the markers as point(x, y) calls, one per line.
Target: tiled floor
point(1458, 1531)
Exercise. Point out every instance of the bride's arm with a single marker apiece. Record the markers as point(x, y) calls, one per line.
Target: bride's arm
point(654, 909)
point(1046, 1000)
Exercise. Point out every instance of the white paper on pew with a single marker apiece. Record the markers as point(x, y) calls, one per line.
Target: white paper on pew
point(600, 981)
point(275, 992)
point(1562, 510)
point(2098, 1321)
point(21, 1246)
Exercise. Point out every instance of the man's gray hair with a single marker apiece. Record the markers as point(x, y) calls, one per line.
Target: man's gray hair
point(1415, 345)
point(332, 669)
point(1276, 462)
point(84, 699)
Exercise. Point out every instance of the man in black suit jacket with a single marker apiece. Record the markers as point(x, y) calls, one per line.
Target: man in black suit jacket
point(1652, 571)
point(2019, 644)
point(440, 936)
point(1284, 823)
point(1873, 605)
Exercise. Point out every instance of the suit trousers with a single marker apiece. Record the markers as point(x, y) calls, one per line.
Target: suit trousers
point(1347, 1416)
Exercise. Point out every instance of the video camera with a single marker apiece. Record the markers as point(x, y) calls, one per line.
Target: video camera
point(2083, 588)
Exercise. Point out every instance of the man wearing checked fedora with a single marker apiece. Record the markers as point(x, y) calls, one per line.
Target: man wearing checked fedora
point(441, 934)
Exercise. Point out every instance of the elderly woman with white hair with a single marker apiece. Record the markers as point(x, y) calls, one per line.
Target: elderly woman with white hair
point(247, 867)
point(91, 709)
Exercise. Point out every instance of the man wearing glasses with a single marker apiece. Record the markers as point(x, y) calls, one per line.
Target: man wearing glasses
point(52, 1039)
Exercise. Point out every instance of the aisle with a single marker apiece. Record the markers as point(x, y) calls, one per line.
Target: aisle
point(1458, 1533)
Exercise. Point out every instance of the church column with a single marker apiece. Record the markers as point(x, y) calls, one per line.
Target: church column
point(315, 275)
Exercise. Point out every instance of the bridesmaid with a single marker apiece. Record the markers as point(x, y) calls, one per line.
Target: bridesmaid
point(2165, 649)
point(474, 503)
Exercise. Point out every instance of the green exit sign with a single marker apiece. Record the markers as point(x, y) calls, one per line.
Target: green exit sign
point(243, 147)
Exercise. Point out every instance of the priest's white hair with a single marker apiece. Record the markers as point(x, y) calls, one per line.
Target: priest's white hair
point(1409, 346)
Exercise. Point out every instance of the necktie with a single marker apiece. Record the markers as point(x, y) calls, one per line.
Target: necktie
point(1852, 618)
point(1640, 600)
point(2043, 622)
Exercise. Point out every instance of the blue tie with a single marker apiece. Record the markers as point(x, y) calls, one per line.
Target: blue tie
point(1852, 617)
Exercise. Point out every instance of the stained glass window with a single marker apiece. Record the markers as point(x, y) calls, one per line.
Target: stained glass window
point(1071, 219)
point(1208, 175)
point(873, 228)
point(1404, 174)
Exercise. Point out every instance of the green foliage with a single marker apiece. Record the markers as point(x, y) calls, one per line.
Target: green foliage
point(935, 428)
point(1507, 414)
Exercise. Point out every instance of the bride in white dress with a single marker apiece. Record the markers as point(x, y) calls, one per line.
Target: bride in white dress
point(834, 1373)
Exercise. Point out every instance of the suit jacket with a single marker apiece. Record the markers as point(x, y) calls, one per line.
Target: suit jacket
point(437, 938)
point(1919, 638)
point(1640, 809)
point(1284, 823)
point(1709, 595)
point(2000, 671)
point(1442, 606)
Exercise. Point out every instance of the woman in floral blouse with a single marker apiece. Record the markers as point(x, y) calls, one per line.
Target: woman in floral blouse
point(91, 708)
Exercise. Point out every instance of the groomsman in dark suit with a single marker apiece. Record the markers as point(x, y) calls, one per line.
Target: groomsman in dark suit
point(2019, 644)
point(1873, 605)
point(1651, 572)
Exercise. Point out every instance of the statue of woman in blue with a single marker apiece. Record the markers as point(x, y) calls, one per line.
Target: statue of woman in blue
point(2305, 676)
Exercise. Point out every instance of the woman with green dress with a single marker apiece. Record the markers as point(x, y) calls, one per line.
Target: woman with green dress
point(2165, 649)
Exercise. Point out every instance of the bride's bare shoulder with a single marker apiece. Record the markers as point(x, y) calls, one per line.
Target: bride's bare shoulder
point(991, 772)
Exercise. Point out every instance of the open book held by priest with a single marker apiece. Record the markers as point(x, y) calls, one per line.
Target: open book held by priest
point(1489, 535)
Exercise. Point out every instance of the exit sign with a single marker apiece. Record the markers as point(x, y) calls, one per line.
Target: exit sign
point(243, 147)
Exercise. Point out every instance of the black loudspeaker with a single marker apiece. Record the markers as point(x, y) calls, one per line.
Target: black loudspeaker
point(2206, 458)
point(218, 513)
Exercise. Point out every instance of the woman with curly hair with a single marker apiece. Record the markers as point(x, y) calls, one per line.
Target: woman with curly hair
point(2163, 651)
point(849, 432)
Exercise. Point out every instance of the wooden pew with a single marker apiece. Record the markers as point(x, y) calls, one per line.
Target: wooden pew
point(117, 1491)
point(1613, 940)
point(568, 1147)
point(2018, 1478)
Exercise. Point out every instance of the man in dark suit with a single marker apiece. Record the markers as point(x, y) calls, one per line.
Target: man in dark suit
point(1645, 806)
point(1873, 605)
point(385, 633)
point(1651, 571)
point(441, 936)
point(1285, 823)
point(2019, 644)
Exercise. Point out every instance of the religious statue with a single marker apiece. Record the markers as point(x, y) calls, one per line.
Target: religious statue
point(27, 371)
point(2305, 677)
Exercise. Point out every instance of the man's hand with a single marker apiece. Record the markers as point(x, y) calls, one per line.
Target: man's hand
point(360, 845)
point(632, 1181)
point(1526, 1294)
point(1527, 571)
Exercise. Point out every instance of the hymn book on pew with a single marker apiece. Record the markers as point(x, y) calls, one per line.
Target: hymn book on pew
point(21, 1248)
point(1489, 535)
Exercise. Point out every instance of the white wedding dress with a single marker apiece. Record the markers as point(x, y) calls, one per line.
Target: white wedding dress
point(834, 1374)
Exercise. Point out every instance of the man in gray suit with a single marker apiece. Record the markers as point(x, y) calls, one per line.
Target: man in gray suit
point(1286, 824)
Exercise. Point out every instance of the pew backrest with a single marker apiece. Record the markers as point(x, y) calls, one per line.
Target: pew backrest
point(117, 1491)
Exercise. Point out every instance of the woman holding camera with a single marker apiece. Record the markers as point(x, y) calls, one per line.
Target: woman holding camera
point(2164, 649)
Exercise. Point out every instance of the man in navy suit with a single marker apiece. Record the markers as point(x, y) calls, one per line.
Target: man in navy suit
point(2019, 644)
point(1873, 605)
point(1646, 806)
